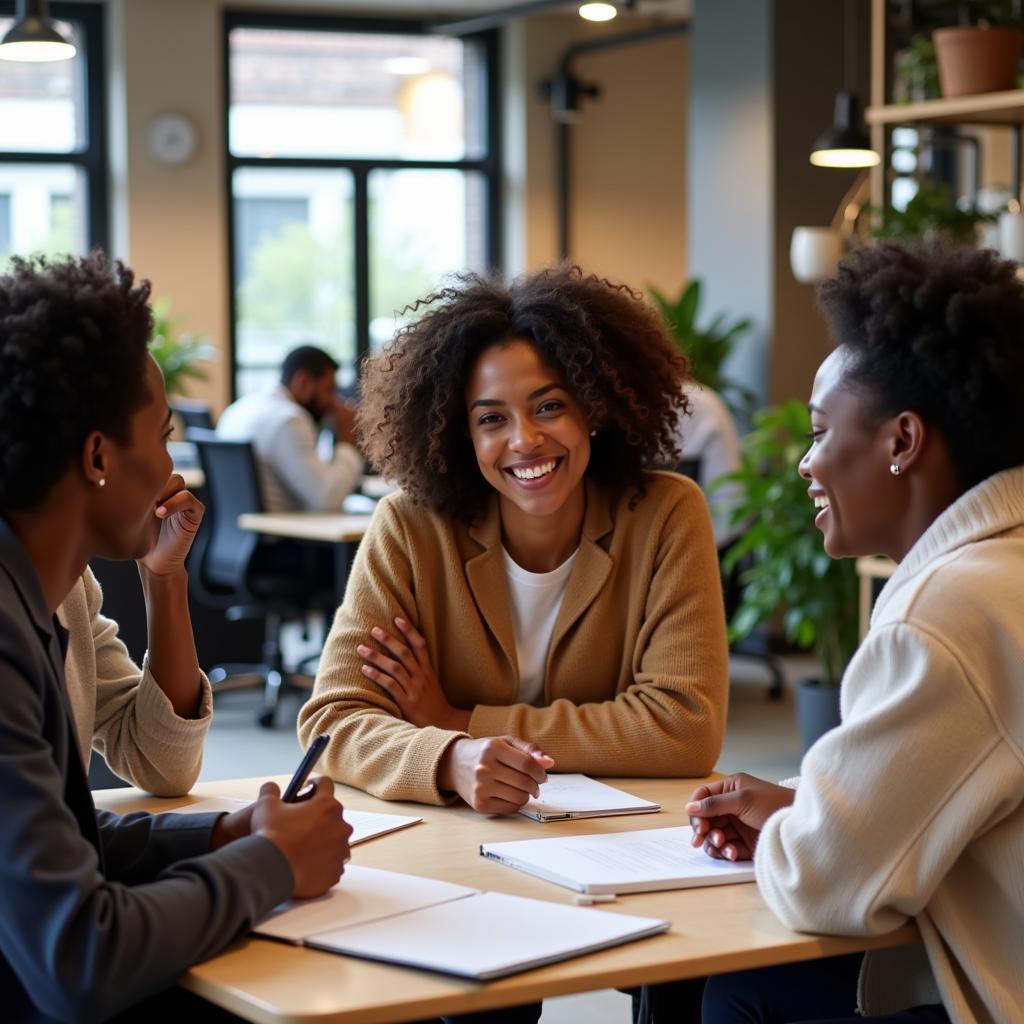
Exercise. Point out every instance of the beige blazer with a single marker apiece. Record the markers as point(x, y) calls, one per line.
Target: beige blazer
point(637, 670)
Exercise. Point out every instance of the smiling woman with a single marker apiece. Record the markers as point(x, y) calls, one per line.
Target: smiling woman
point(537, 596)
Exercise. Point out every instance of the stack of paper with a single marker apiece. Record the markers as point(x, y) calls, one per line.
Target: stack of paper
point(437, 926)
point(644, 861)
point(577, 796)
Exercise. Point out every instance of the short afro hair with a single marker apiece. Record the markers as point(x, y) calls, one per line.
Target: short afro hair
point(73, 340)
point(938, 331)
point(611, 349)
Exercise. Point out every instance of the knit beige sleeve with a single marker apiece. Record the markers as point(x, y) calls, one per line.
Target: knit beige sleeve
point(136, 728)
point(372, 747)
point(670, 721)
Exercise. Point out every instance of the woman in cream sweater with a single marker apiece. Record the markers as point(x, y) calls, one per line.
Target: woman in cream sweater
point(914, 806)
point(535, 596)
point(150, 723)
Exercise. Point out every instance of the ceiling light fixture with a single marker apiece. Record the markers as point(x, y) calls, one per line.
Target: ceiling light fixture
point(598, 11)
point(33, 36)
point(846, 143)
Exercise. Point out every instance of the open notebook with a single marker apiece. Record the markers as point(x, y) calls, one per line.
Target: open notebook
point(577, 796)
point(439, 926)
point(621, 862)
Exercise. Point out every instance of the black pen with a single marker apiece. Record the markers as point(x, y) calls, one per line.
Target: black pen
point(306, 765)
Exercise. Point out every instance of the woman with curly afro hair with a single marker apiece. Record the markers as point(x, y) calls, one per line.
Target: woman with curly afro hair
point(914, 806)
point(537, 595)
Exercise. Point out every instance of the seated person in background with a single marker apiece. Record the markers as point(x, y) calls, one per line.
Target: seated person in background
point(102, 911)
point(534, 596)
point(283, 426)
point(149, 725)
point(707, 435)
point(914, 806)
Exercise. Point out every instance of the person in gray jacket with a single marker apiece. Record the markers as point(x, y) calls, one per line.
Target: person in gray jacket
point(100, 912)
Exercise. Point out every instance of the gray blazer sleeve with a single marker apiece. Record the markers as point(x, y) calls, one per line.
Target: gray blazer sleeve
point(84, 941)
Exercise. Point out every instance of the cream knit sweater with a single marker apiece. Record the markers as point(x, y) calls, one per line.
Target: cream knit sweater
point(914, 806)
point(119, 710)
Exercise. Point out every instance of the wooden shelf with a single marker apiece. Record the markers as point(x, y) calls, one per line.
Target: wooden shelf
point(992, 108)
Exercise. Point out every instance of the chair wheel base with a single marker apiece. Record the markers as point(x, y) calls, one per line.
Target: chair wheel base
point(265, 718)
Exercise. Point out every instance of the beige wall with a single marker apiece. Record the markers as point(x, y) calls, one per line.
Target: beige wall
point(170, 222)
point(629, 165)
point(628, 182)
point(628, 188)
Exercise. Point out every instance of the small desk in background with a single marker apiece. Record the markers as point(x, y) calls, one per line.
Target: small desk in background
point(716, 929)
point(872, 572)
point(342, 531)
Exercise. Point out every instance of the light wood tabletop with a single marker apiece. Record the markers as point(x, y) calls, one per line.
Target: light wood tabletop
point(716, 929)
point(323, 527)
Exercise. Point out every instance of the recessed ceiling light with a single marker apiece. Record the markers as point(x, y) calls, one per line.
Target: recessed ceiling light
point(598, 11)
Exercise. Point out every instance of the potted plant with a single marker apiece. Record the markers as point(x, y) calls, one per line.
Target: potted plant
point(916, 71)
point(932, 214)
point(707, 348)
point(982, 52)
point(785, 570)
point(178, 355)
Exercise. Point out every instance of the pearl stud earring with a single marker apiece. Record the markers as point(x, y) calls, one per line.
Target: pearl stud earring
point(102, 482)
point(894, 468)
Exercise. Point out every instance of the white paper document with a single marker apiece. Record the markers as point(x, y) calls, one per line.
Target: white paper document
point(488, 935)
point(365, 824)
point(577, 796)
point(362, 895)
point(644, 861)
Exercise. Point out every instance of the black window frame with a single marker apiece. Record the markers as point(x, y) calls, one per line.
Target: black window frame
point(92, 158)
point(489, 165)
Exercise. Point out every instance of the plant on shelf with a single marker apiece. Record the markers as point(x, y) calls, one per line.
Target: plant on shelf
point(178, 355)
point(932, 214)
point(707, 348)
point(916, 71)
point(785, 569)
point(977, 45)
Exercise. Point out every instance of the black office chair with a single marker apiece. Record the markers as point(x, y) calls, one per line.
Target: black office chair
point(757, 645)
point(229, 575)
point(192, 413)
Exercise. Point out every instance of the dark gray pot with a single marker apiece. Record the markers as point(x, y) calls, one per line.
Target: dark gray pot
point(817, 710)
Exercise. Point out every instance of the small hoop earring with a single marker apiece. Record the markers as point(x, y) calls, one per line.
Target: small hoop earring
point(102, 482)
point(894, 468)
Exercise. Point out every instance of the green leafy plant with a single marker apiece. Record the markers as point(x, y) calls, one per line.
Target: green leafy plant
point(931, 214)
point(178, 355)
point(916, 71)
point(786, 570)
point(708, 347)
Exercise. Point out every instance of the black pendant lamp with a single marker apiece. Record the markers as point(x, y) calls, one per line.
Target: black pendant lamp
point(33, 37)
point(846, 143)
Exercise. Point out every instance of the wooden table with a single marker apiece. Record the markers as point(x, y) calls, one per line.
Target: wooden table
point(713, 930)
point(870, 569)
point(340, 530)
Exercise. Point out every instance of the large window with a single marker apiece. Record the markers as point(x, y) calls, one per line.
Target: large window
point(363, 169)
point(52, 143)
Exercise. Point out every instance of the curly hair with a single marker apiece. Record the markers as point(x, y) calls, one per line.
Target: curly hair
point(73, 340)
point(611, 349)
point(938, 331)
